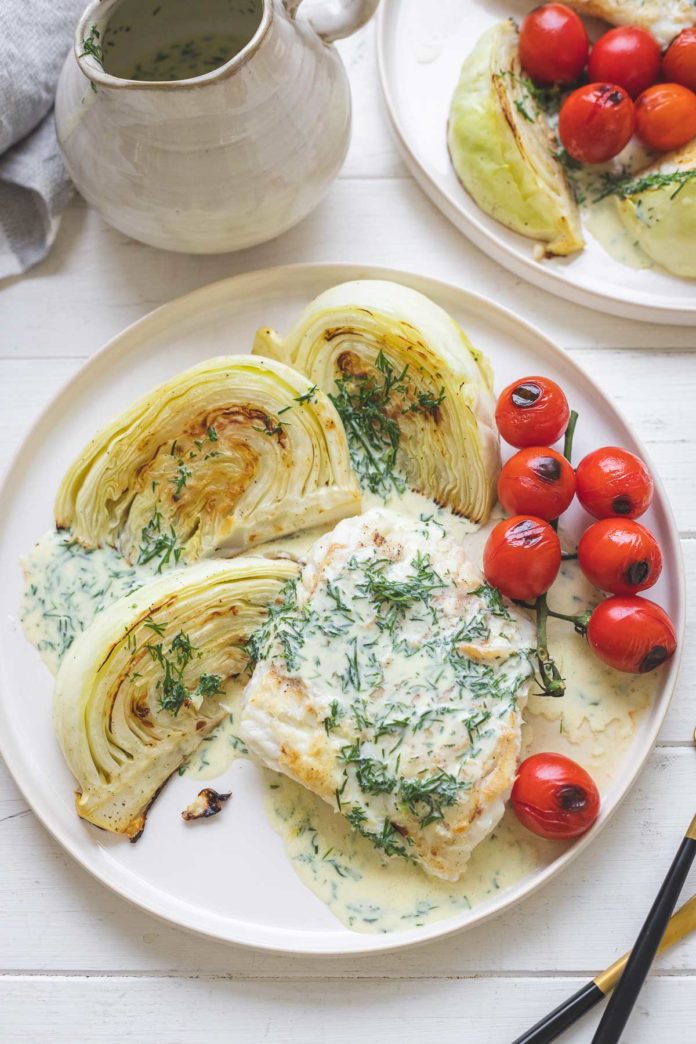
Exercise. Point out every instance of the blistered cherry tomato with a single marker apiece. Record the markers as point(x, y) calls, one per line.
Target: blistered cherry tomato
point(620, 556)
point(522, 557)
point(596, 122)
point(627, 56)
point(666, 116)
point(631, 634)
point(532, 412)
point(553, 44)
point(536, 481)
point(612, 481)
point(555, 797)
point(679, 62)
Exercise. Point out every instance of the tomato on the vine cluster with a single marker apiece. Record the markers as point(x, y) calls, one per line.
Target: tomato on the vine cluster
point(536, 481)
point(532, 412)
point(613, 481)
point(620, 556)
point(631, 634)
point(553, 44)
point(555, 797)
point(522, 557)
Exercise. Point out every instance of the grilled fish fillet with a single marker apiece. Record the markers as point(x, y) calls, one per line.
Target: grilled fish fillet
point(665, 19)
point(392, 684)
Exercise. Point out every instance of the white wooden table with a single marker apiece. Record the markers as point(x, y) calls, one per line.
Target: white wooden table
point(79, 964)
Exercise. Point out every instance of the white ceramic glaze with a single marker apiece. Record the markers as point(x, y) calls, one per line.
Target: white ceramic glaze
point(219, 161)
point(231, 879)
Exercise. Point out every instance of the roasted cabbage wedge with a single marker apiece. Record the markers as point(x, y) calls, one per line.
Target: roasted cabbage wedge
point(665, 19)
point(503, 150)
point(414, 395)
point(140, 689)
point(658, 208)
point(231, 453)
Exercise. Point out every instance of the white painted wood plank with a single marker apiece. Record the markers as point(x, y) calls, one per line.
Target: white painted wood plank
point(373, 151)
point(55, 917)
point(189, 1011)
point(100, 280)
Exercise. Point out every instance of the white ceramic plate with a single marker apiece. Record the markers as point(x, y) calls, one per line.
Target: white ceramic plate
point(231, 878)
point(421, 47)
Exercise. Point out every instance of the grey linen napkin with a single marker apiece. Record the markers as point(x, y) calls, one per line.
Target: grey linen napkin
point(35, 37)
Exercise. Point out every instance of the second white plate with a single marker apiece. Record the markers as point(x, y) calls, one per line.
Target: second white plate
point(421, 47)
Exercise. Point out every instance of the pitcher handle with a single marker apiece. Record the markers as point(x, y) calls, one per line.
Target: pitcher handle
point(335, 19)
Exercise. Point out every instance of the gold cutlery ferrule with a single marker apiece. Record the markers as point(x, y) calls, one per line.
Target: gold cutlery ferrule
point(680, 924)
point(691, 832)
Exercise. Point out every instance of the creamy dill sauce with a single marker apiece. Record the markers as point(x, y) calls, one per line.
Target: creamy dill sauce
point(67, 586)
point(601, 216)
point(369, 893)
point(184, 59)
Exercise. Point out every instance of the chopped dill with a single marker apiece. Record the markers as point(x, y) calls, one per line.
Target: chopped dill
point(155, 542)
point(520, 106)
point(369, 405)
point(174, 692)
point(493, 599)
point(427, 796)
point(333, 717)
point(307, 396)
point(183, 474)
point(91, 46)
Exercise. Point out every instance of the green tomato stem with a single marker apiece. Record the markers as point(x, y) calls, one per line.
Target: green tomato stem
point(552, 682)
point(570, 432)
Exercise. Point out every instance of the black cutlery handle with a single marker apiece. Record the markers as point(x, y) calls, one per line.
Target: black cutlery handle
point(558, 1020)
point(620, 1005)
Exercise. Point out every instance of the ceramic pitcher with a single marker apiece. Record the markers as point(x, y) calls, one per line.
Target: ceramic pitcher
point(207, 125)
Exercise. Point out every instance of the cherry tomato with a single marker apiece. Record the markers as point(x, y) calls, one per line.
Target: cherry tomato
point(522, 557)
point(666, 116)
point(596, 122)
point(555, 797)
point(532, 412)
point(628, 56)
point(612, 481)
point(620, 556)
point(553, 44)
point(679, 62)
point(536, 481)
point(631, 634)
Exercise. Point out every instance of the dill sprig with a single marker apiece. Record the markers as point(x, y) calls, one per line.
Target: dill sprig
point(285, 624)
point(369, 405)
point(174, 661)
point(624, 187)
point(333, 717)
point(389, 838)
point(395, 596)
point(493, 599)
point(371, 774)
point(427, 796)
